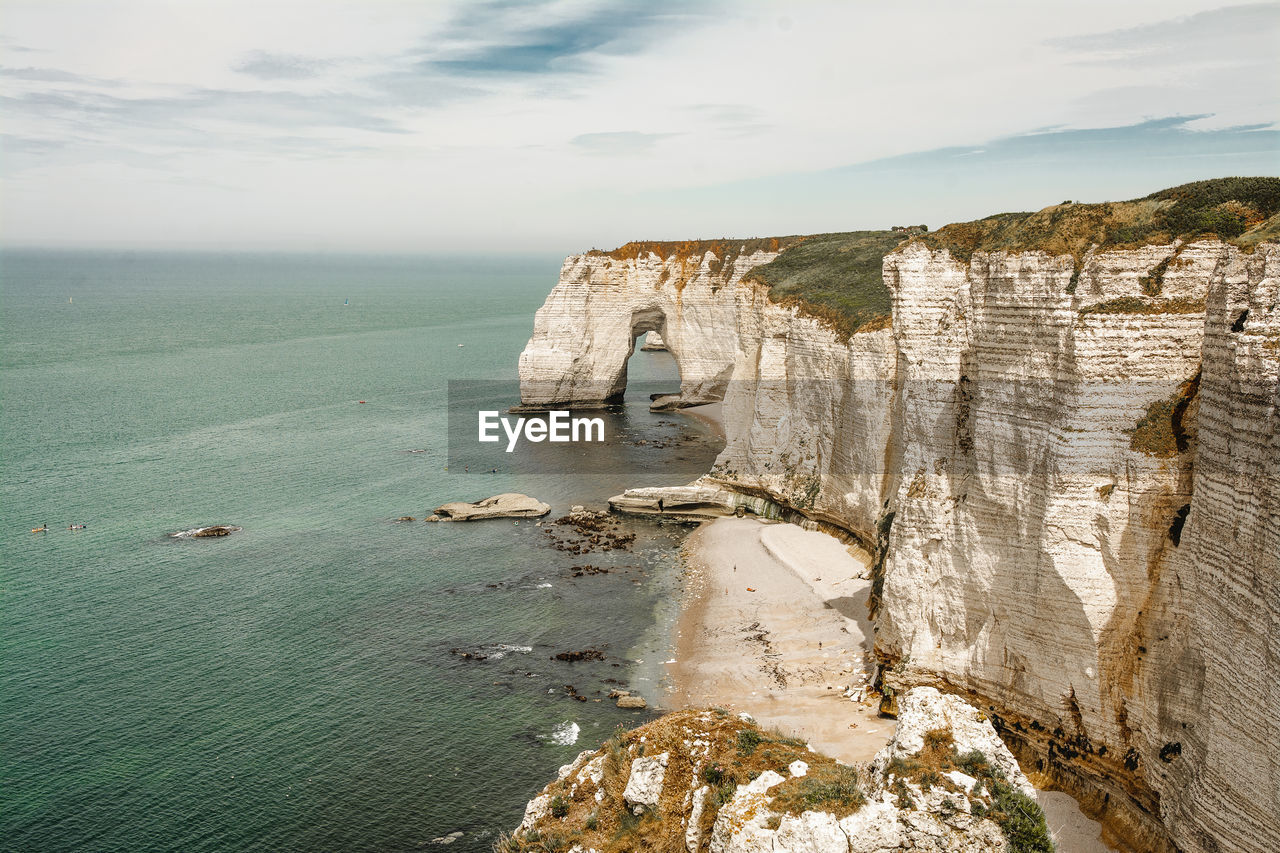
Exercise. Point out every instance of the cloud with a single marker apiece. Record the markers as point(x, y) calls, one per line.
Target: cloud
point(186, 109)
point(1234, 34)
point(11, 46)
point(281, 66)
point(731, 119)
point(487, 47)
point(1168, 138)
point(506, 38)
point(14, 145)
point(620, 142)
point(53, 75)
point(417, 113)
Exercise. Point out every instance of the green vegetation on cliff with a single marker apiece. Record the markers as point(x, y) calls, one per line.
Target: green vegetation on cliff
point(1244, 211)
point(1019, 817)
point(1166, 430)
point(836, 278)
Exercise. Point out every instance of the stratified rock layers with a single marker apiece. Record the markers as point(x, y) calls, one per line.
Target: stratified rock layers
point(1070, 476)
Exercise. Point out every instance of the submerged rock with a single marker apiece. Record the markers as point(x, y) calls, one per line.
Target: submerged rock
point(453, 836)
point(584, 654)
point(508, 505)
point(211, 532)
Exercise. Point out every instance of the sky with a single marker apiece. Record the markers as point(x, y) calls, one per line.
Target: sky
point(562, 125)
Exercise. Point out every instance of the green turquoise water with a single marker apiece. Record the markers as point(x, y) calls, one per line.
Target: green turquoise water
point(292, 686)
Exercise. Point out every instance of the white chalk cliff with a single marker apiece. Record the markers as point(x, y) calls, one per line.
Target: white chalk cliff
point(1071, 480)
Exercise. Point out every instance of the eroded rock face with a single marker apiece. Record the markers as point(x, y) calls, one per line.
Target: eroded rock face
point(509, 505)
point(1069, 477)
point(686, 299)
point(1036, 556)
point(1210, 707)
point(644, 786)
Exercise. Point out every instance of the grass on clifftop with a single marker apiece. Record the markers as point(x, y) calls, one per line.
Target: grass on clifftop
point(726, 250)
point(1243, 211)
point(836, 278)
point(737, 752)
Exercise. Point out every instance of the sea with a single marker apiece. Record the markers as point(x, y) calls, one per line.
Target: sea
point(327, 678)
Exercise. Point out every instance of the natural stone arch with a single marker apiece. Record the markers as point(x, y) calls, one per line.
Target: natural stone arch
point(587, 330)
point(643, 321)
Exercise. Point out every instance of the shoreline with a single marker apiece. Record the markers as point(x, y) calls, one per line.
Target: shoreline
point(711, 414)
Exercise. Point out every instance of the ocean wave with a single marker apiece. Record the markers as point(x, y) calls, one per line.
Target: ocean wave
point(564, 734)
point(506, 648)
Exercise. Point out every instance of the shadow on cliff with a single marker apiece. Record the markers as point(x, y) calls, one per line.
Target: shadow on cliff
point(856, 609)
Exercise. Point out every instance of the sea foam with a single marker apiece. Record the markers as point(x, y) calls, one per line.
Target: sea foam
point(565, 734)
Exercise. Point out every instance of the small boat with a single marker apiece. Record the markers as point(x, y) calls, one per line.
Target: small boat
point(76, 526)
point(44, 529)
point(346, 302)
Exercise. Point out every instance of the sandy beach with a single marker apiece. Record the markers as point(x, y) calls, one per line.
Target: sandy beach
point(775, 624)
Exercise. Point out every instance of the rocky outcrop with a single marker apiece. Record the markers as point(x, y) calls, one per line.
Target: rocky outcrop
point(508, 505)
point(1066, 469)
point(720, 784)
point(644, 782)
point(653, 343)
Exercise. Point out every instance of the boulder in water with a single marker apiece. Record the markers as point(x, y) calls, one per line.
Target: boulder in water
point(508, 505)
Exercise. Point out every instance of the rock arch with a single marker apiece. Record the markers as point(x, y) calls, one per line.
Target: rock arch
point(587, 330)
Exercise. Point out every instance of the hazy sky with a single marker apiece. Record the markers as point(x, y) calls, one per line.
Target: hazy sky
point(558, 125)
